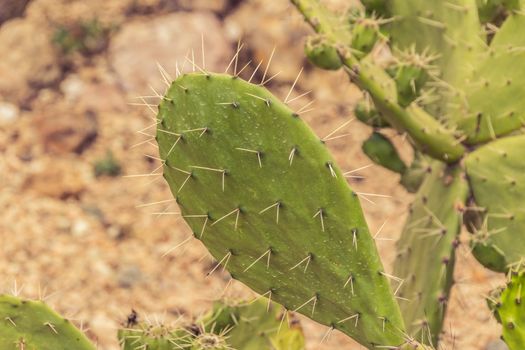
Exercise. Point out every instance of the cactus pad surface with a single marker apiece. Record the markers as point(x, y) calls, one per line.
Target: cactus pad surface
point(261, 191)
point(495, 171)
point(32, 325)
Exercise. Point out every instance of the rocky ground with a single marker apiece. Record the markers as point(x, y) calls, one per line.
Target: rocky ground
point(75, 225)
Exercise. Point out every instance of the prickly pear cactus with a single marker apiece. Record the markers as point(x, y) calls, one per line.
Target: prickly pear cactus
point(149, 336)
point(492, 105)
point(426, 251)
point(261, 191)
point(32, 325)
point(495, 172)
point(509, 310)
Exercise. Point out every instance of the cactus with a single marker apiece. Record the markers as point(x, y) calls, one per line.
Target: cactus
point(256, 325)
point(154, 336)
point(235, 158)
point(500, 193)
point(28, 324)
point(509, 309)
point(426, 249)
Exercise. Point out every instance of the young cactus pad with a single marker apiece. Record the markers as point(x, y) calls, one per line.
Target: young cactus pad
point(261, 191)
point(510, 311)
point(501, 240)
point(32, 325)
point(254, 326)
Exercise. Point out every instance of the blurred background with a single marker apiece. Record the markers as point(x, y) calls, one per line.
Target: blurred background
point(85, 223)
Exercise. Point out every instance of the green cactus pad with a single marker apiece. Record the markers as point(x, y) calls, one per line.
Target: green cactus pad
point(494, 103)
point(367, 114)
point(410, 78)
point(510, 311)
point(321, 53)
point(154, 337)
point(382, 152)
point(495, 172)
point(365, 34)
point(32, 325)
point(450, 29)
point(264, 195)
point(254, 326)
point(426, 249)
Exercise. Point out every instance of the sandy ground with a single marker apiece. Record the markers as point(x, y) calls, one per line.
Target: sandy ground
point(95, 247)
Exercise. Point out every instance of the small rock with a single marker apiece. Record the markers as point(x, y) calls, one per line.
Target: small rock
point(72, 87)
point(8, 112)
point(497, 344)
point(218, 6)
point(57, 178)
point(140, 44)
point(10, 9)
point(26, 65)
point(80, 228)
point(128, 276)
point(63, 132)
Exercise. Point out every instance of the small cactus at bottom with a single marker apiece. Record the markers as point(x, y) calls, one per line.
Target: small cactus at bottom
point(32, 325)
point(256, 325)
point(509, 310)
point(252, 326)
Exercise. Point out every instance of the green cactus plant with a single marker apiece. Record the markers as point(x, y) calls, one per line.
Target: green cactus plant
point(228, 326)
point(235, 158)
point(254, 325)
point(28, 324)
point(501, 241)
point(509, 310)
